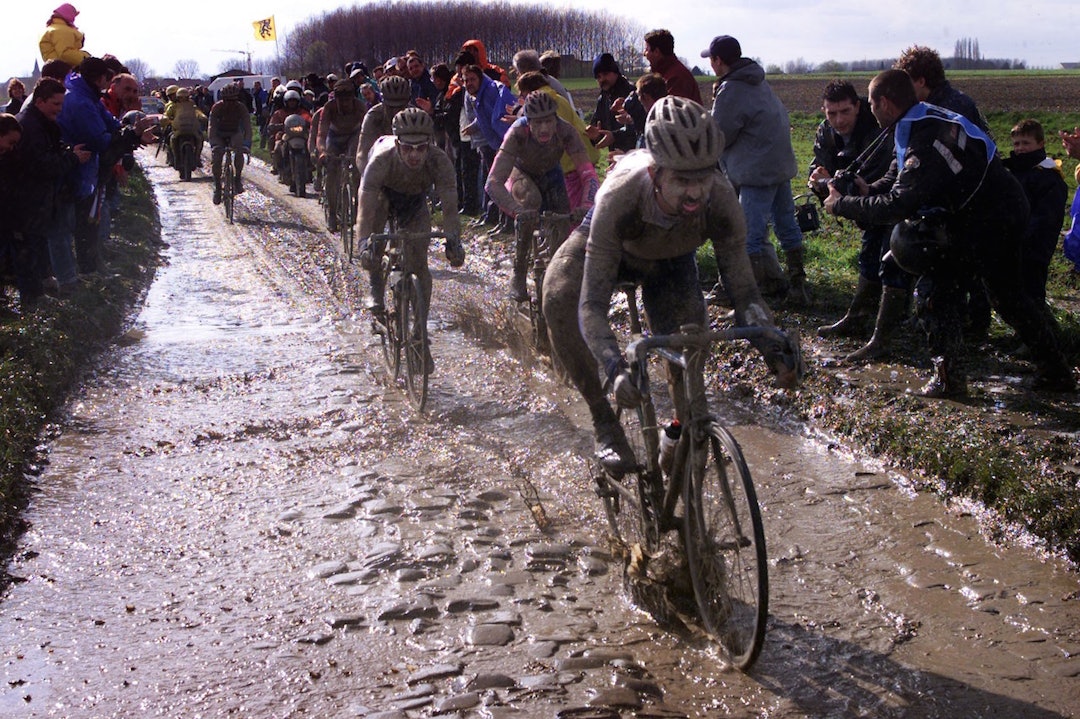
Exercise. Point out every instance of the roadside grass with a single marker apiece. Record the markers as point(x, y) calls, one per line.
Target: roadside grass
point(43, 354)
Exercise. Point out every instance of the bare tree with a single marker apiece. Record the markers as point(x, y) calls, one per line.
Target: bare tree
point(139, 68)
point(186, 69)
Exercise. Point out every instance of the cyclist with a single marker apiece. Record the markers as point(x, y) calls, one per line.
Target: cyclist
point(184, 119)
point(400, 173)
point(230, 125)
point(396, 92)
point(655, 208)
point(339, 133)
point(527, 177)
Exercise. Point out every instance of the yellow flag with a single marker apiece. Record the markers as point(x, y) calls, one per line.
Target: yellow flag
point(264, 29)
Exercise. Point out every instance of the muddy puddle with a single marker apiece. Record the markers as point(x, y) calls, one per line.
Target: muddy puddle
point(242, 516)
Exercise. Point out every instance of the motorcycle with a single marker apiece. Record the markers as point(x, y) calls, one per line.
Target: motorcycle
point(185, 160)
point(296, 151)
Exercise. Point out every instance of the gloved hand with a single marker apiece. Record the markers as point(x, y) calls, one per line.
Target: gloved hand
point(785, 361)
point(366, 255)
point(622, 384)
point(455, 252)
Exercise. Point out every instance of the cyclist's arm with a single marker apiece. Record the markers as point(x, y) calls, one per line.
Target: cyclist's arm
point(371, 187)
point(603, 255)
point(446, 188)
point(323, 130)
point(495, 186)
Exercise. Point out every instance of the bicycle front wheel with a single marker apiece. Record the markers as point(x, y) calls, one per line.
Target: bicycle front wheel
point(391, 319)
point(228, 185)
point(345, 217)
point(414, 341)
point(633, 504)
point(725, 546)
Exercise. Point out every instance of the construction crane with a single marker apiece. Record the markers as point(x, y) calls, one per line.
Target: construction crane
point(245, 53)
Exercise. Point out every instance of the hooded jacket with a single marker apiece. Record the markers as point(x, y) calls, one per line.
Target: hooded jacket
point(757, 132)
point(62, 41)
point(85, 121)
point(490, 105)
point(479, 51)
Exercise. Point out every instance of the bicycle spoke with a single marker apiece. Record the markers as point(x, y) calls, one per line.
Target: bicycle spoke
point(414, 323)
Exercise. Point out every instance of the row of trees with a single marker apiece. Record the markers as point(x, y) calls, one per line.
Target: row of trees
point(966, 56)
point(375, 32)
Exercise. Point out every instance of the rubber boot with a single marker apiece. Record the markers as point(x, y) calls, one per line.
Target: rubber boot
point(948, 381)
point(799, 291)
point(889, 318)
point(867, 298)
point(770, 277)
point(518, 290)
point(217, 191)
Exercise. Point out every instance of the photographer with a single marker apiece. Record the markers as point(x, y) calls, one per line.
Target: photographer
point(847, 150)
point(947, 167)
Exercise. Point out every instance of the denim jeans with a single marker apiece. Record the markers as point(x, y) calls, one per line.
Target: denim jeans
point(60, 237)
point(761, 203)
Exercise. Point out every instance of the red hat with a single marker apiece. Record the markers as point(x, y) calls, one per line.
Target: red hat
point(66, 12)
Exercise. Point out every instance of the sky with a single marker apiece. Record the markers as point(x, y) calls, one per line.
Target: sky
point(1044, 33)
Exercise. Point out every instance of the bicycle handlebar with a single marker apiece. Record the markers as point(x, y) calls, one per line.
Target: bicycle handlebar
point(767, 339)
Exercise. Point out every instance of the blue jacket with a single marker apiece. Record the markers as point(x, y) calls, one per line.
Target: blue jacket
point(85, 121)
point(490, 104)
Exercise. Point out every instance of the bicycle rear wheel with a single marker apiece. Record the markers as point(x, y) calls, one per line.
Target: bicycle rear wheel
point(414, 341)
point(228, 185)
point(725, 546)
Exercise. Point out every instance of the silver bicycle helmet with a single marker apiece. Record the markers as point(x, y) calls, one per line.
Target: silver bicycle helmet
point(682, 135)
point(291, 95)
point(539, 104)
point(413, 125)
point(294, 85)
point(395, 90)
point(230, 92)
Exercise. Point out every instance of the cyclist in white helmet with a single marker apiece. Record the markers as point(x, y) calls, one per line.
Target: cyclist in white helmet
point(527, 177)
point(401, 170)
point(653, 211)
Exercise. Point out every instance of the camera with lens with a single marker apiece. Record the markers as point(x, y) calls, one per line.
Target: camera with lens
point(845, 182)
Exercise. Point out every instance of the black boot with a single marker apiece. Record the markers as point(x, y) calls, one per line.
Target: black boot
point(889, 318)
point(770, 277)
point(949, 380)
point(799, 291)
point(853, 323)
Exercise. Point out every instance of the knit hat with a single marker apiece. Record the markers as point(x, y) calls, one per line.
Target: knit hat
point(605, 62)
point(66, 12)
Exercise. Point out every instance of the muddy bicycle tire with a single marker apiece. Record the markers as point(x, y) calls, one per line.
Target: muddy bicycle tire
point(228, 185)
point(725, 546)
point(413, 323)
point(391, 335)
point(187, 160)
point(345, 214)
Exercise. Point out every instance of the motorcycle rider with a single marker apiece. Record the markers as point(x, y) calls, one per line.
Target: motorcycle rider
point(184, 119)
point(399, 175)
point(230, 125)
point(291, 105)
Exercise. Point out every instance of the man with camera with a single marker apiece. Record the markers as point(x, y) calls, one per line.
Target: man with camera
point(958, 207)
point(850, 147)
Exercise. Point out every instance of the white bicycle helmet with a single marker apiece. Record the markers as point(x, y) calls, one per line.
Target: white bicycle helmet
point(682, 135)
point(291, 95)
point(412, 125)
point(395, 90)
point(539, 104)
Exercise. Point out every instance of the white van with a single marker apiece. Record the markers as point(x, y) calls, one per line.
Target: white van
point(249, 82)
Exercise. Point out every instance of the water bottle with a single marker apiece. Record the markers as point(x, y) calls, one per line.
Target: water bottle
point(669, 437)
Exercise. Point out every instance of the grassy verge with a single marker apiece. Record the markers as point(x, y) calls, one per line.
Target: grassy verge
point(43, 354)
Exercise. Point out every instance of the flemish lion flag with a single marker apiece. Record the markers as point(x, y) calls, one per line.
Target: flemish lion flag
point(264, 29)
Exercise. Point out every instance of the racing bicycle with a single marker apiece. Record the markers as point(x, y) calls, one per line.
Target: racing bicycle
point(341, 179)
point(403, 324)
point(550, 233)
point(706, 495)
